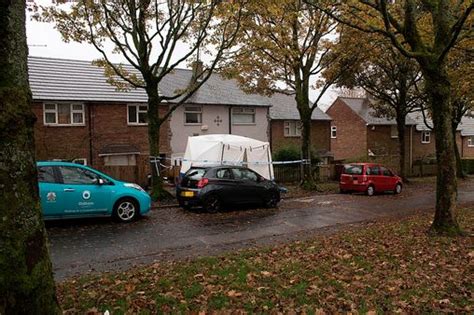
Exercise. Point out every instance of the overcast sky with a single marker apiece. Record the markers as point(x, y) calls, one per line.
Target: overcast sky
point(45, 41)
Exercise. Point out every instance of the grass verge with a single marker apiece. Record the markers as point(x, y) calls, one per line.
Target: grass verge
point(384, 267)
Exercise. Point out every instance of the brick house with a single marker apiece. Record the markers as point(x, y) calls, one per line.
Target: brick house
point(83, 118)
point(358, 134)
point(285, 127)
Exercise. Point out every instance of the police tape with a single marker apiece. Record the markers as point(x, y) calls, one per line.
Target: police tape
point(159, 159)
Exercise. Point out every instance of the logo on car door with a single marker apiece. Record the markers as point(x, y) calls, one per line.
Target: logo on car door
point(86, 195)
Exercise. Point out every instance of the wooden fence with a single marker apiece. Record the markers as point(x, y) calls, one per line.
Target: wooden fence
point(133, 174)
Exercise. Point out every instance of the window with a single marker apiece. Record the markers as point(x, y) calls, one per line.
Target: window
point(120, 160)
point(353, 169)
point(46, 174)
point(372, 170)
point(245, 174)
point(425, 137)
point(393, 131)
point(224, 174)
point(386, 171)
point(137, 114)
point(243, 116)
point(292, 128)
point(78, 176)
point(193, 115)
point(470, 141)
point(80, 161)
point(63, 114)
point(333, 132)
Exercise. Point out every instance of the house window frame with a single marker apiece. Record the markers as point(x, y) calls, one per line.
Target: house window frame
point(138, 111)
point(393, 135)
point(423, 137)
point(186, 111)
point(333, 132)
point(72, 111)
point(470, 141)
point(287, 128)
point(251, 111)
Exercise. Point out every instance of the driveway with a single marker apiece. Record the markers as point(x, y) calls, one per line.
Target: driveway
point(98, 245)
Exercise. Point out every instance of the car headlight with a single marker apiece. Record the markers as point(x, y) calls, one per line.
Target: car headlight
point(135, 186)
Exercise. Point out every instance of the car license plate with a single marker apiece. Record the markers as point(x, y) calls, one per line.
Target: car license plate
point(187, 194)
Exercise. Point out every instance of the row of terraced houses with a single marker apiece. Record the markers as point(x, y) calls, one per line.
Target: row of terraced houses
point(81, 117)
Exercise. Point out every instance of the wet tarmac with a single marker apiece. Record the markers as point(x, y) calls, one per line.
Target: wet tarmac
point(98, 245)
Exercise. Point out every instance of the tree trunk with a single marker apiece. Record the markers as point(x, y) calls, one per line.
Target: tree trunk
point(402, 148)
point(305, 116)
point(154, 125)
point(438, 91)
point(459, 171)
point(26, 279)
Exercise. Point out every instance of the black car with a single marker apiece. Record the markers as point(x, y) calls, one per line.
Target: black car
point(213, 187)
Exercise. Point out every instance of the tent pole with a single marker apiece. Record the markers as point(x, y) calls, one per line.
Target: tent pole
point(222, 155)
point(269, 163)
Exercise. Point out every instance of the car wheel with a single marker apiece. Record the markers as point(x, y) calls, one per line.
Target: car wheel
point(398, 188)
point(126, 210)
point(272, 201)
point(212, 204)
point(370, 190)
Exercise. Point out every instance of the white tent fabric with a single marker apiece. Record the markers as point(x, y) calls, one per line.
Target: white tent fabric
point(221, 149)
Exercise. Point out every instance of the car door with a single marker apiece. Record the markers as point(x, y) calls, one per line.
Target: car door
point(388, 179)
point(82, 192)
point(373, 175)
point(226, 185)
point(50, 188)
point(249, 186)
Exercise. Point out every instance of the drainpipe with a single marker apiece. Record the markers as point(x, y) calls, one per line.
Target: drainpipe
point(230, 120)
point(91, 155)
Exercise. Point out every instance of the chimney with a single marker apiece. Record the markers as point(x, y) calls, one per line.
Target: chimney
point(198, 68)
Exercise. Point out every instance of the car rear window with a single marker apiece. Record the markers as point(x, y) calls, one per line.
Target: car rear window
point(195, 173)
point(353, 169)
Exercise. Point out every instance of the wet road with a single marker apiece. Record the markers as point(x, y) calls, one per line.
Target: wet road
point(97, 245)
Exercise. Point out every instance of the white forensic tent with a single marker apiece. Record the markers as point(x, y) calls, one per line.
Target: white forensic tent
point(228, 150)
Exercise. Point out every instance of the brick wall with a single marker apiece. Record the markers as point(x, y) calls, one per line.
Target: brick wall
point(320, 135)
point(351, 140)
point(467, 152)
point(106, 124)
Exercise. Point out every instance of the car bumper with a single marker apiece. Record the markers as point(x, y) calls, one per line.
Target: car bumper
point(353, 187)
point(188, 197)
point(145, 203)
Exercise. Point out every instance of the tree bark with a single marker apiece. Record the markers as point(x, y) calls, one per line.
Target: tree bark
point(304, 110)
point(459, 171)
point(438, 90)
point(402, 148)
point(26, 279)
point(154, 125)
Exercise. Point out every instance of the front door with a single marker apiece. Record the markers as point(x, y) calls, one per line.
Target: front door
point(249, 187)
point(388, 179)
point(82, 193)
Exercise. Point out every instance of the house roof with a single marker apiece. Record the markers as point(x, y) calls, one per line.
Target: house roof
point(284, 107)
point(467, 126)
point(361, 107)
point(76, 80)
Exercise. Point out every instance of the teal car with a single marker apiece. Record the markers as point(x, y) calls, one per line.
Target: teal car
point(70, 190)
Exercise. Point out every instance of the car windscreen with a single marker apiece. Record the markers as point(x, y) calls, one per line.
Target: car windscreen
point(353, 169)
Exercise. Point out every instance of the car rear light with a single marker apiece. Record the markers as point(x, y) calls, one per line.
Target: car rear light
point(202, 182)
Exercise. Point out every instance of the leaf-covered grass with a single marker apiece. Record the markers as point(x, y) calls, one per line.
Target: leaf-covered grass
point(386, 267)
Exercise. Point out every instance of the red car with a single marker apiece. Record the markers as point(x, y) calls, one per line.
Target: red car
point(369, 178)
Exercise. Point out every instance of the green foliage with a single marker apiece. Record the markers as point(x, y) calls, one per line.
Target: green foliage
point(468, 166)
point(293, 153)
